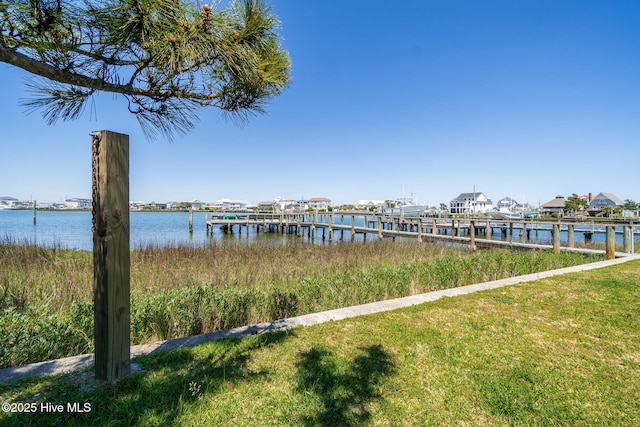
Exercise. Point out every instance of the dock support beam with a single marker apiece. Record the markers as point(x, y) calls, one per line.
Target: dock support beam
point(510, 233)
point(472, 230)
point(571, 235)
point(628, 239)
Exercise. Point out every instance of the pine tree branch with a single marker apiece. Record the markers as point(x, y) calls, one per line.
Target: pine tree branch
point(166, 58)
point(20, 60)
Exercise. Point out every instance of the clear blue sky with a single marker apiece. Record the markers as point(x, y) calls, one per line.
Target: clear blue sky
point(528, 99)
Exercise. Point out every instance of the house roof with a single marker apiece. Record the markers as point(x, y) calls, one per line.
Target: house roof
point(558, 202)
point(463, 196)
point(611, 197)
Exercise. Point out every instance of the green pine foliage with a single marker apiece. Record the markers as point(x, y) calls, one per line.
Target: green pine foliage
point(168, 58)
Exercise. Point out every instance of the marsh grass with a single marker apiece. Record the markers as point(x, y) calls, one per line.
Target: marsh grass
point(46, 294)
point(562, 351)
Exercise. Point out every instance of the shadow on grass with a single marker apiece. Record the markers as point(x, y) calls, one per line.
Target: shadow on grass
point(169, 384)
point(341, 389)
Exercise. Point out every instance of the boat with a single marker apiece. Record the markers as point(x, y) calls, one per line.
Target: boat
point(504, 215)
point(406, 207)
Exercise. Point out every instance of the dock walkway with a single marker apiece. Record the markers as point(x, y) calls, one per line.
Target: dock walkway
point(475, 232)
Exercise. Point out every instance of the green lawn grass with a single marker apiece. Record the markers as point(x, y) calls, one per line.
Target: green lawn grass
point(559, 351)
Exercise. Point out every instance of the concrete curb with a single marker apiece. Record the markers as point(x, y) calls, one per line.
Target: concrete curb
point(74, 363)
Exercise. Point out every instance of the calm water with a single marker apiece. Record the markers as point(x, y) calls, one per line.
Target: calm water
point(73, 230)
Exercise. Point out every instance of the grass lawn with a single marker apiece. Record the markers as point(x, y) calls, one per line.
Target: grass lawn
point(559, 351)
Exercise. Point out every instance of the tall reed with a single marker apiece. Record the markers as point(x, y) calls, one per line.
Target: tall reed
point(46, 294)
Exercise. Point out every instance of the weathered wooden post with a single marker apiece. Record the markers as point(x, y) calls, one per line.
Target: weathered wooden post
point(510, 232)
point(571, 235)
point(472, 231)
point(35, 208)
point(111, 258)
point(555, 233)
point(610, 244)
point(191, 220)
point(330, 228)
point(628, 239)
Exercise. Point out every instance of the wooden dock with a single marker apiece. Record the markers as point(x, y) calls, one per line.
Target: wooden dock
point(475, 232)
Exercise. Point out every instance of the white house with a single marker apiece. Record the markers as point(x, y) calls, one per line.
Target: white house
point(196, 204)
point(370, 204)
point(301, 205)
point(605, 200)
point(470, 203)
point(230, 205)
point(320, 203)
point(284, 204)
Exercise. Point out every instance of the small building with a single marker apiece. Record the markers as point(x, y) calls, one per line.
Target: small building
point(77, 203)
point(554, 206)
point(371, 205)
point(230, 205)
point(157, 205)
point(267, 206)
point(470, 203)
point(605, 200)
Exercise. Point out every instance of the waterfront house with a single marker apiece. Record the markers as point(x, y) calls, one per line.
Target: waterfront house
point(605, 200)
point(157, 205)
point(284, 205)
point(267, 206)
point(301, 205)
point(230, 205)
point(320, 203)
point(371, 205)
point(554, 206)
point(469, 203)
